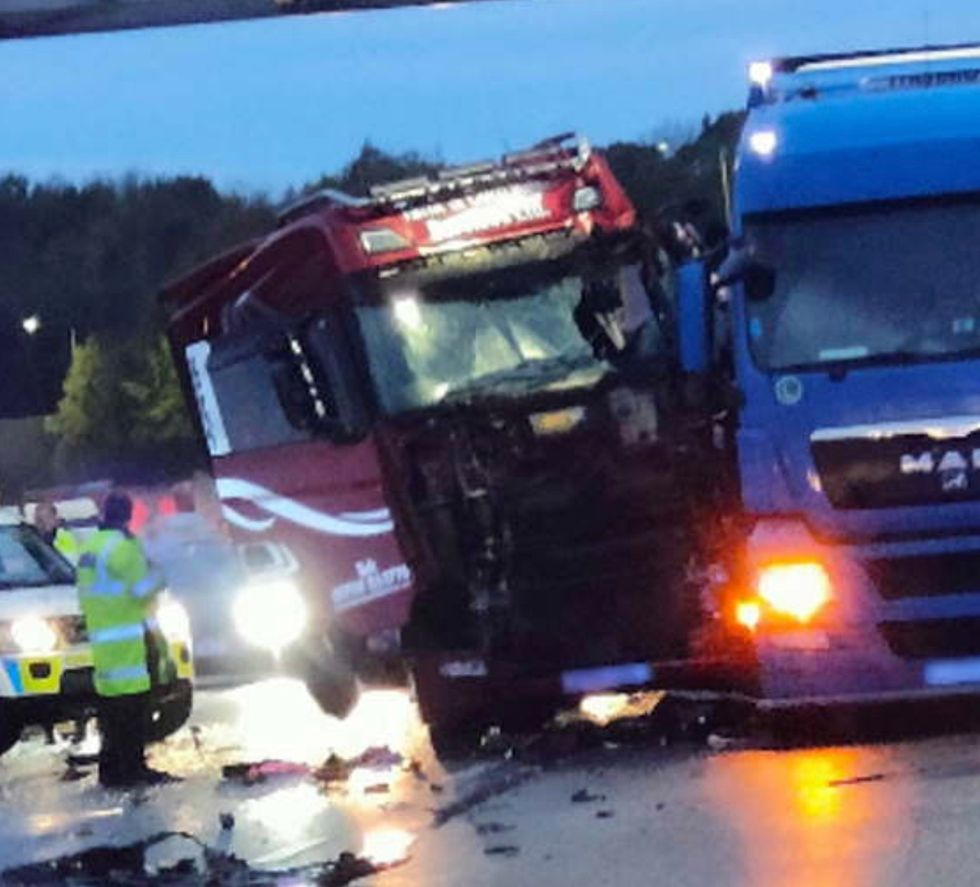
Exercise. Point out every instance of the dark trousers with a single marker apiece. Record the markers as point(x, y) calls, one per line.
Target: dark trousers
point(122, 723)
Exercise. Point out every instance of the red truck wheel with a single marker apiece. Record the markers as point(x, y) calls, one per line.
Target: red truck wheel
point(333, 684)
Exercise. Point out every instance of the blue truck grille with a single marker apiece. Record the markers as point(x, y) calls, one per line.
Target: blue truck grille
point(926, 575)
point(933, 638)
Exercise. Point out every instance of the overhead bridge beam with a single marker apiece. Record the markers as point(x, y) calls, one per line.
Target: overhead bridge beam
point(42, 18)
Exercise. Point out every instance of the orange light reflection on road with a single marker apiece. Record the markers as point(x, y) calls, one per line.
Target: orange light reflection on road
point(816, 799)
point(799, 824)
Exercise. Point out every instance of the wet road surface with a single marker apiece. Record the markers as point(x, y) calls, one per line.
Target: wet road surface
point(905, 812)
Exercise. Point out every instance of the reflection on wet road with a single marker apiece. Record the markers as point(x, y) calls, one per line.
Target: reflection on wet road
point(898, 813)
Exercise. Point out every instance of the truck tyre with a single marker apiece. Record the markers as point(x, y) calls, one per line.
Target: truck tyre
point(170, 714)
point(333, 684)
point(454, 742)
point(457, 712)
point(10, 729)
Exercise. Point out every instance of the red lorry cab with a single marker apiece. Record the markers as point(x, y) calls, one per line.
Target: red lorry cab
point(399, 389)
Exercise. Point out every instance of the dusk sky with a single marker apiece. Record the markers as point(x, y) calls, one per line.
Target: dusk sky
point(266, 104)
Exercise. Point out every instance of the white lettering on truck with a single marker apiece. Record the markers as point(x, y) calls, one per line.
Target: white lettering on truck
point(484, 212)
point(371, 584)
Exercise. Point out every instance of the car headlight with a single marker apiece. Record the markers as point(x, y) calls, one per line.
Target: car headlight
point(270, 614)
point(34, 635)
point(173, 620)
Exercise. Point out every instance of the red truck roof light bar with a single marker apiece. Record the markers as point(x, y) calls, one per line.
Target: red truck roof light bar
point(564, 152)
point(546, 157)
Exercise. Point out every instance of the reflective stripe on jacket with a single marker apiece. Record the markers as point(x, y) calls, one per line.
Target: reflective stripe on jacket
point(116, 588)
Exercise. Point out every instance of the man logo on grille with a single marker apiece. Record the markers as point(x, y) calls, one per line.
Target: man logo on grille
point(952, 467)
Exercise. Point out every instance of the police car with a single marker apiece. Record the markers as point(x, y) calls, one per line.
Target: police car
point(46, 671)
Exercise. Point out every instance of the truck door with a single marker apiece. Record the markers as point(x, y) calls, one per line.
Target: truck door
point(294, 458)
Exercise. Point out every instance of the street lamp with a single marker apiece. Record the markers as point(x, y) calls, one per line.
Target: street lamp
point(31, 324)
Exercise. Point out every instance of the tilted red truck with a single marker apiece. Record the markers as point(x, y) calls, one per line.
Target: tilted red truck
point(448, 402)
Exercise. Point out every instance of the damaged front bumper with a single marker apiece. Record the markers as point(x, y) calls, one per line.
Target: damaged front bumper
point(462, 687)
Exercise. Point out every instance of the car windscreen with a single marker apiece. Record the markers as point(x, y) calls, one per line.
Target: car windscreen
point(27, 561)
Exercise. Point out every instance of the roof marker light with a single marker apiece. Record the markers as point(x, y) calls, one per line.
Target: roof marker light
point(760, 73)
point(763, 142)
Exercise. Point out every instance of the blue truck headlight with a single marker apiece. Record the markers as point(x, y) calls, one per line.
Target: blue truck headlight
point(271, 614)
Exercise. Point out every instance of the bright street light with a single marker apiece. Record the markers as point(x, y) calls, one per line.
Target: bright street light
point(31, 324)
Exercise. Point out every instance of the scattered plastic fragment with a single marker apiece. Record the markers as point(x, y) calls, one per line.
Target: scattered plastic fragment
point(857, 780)
point(378, 758)
point(496, 781)
point(502, 850)
point(260, 771)
point(493, 828)
point(338, 769)
point(172, 858)
point(333, 769)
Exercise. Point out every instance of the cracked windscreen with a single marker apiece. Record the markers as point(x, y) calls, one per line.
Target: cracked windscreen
point(501, 335)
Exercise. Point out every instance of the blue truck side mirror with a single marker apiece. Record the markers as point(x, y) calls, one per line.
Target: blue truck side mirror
point(694, 314)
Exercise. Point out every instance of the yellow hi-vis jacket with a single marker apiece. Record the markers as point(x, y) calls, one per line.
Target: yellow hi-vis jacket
point(66, 545)
point(116, 589)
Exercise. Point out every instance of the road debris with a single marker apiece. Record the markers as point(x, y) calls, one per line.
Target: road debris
point(502, 850)
point(493, 828)
point(338, 769)
point(496, 781)
point(333, 769)
point(604, 708)
point(605, 814)
point(179, 858)
point(259, 771)
point(584, 796)
point(857, 780)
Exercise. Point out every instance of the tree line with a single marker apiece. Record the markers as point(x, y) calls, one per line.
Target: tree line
point(87, 261)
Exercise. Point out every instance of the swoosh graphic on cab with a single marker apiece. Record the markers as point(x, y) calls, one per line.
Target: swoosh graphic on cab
point(357, 523)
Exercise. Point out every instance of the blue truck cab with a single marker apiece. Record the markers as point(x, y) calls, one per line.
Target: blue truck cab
point(855, 344)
